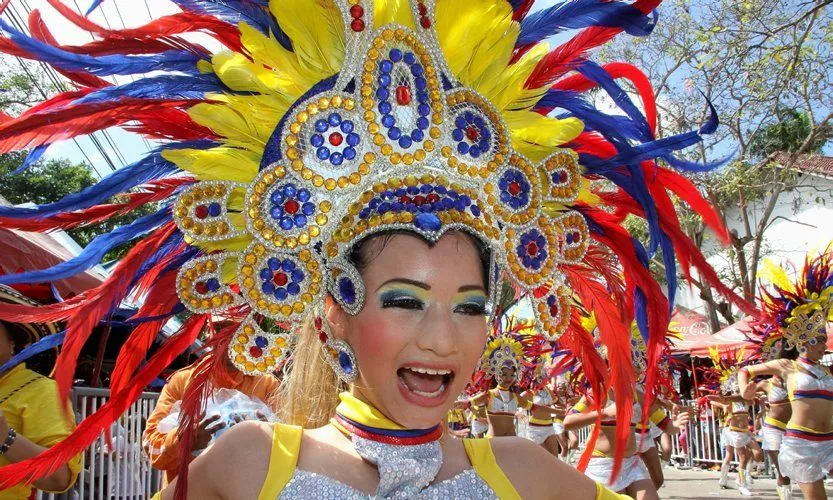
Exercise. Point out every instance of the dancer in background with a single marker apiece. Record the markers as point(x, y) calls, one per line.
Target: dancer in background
point(502, 362)
point(798, 312)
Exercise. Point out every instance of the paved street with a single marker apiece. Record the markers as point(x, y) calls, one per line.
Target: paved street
point(700, 484)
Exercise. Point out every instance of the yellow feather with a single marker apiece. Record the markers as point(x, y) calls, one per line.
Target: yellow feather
point(241, 74)
point(536, 136)
point(393, 12)
point(316, 30)
point(235, 127)
point(219, 163)
point(775, 274)
point(268, 52)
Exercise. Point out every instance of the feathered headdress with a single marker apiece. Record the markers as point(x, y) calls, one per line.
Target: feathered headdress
point(322, 122)
point(796, 312)
point(725, 368)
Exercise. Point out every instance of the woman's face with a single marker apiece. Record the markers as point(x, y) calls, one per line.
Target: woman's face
point(816, 352)
point(422, 330)
point(507, 376)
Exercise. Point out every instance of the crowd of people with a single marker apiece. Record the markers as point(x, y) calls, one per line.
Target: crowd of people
point(401, 231)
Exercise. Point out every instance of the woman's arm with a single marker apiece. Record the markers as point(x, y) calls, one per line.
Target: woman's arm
point(23, 449)
point(747, 390)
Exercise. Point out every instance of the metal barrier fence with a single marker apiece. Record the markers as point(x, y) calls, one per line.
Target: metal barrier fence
point(122, 469)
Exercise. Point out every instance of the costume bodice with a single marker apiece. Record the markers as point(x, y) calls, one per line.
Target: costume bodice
point(501, 401)
point(739, 407)
point(543, 398)
point(810, 381)
point(776, 394)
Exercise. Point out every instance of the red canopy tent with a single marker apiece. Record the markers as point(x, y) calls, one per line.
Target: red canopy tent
point(697, 342)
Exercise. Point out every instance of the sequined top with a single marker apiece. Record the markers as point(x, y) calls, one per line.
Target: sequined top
point(817, 384)
point(502, 402)
point(776, 394)
point(542, 398)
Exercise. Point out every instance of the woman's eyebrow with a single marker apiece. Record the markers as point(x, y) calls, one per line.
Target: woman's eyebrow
point(406, 281)
point(468, 288)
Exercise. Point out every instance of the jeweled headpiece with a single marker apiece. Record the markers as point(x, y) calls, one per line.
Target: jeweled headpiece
point(502, 352)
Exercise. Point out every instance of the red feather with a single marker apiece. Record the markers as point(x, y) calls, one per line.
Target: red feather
point(91, 427)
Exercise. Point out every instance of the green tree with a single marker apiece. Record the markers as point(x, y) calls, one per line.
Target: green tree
point(766, 66)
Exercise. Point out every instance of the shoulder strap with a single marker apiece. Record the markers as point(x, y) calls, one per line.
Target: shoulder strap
point(482, 459)
point(286, 443)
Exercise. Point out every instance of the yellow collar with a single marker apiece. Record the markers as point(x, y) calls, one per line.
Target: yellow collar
point(361, 412)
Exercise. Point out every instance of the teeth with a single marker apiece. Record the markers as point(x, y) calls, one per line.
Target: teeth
point(429, 371)
point(430, 394)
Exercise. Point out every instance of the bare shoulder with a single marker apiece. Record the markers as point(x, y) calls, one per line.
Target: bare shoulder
point(535, 473)
point(238, 462)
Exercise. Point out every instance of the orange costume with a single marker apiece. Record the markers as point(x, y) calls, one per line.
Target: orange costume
point(162, 447)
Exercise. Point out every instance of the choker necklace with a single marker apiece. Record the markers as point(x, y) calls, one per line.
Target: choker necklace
point(356, 418)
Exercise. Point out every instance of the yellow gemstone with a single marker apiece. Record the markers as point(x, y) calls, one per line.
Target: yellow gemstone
point(373, 128)
point(317, 181)
point(295, 128)
point(349, 104)
point(286, 309)
point(337, 101)
point(395, 158)
point(419, 154)
point(323, 103)
point(355, 178)
point(239, 347)
point(428, 146)
point(250, 367)
point(366, 91)
point(378, 139)
point(298, 307)
point(367, 103)
point(291, 242)
point(369, 116)
point(446, 151)
point(303, 116)
point(387, 149)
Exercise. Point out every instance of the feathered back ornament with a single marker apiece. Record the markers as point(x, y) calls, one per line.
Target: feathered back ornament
point(322, 122)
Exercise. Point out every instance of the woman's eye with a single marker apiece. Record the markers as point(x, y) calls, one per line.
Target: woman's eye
point(402, 303)
point(471, 309)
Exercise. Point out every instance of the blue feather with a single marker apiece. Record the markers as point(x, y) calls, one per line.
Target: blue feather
point(93, 252)
point(578, 14)
point(92, 7)
point(148, 168)
point(597, 74)
point(44, 344)
point(253, 12)
point(640, 303)
point(108, 65)
point(159, 87)
point(33, 156)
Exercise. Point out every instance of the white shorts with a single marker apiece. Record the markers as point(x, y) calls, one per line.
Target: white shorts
point(771, 438)
point(736, 439)
point(803, 460)
point(479, 427)
point(633, 469)
point(540, 433)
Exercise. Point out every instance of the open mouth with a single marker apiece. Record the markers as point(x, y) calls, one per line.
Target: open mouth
point(425, 382)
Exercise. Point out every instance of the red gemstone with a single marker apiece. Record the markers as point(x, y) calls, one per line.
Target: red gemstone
point(540, 291)
point(472, 134)
point(425, 22)
point(403, 95)
point(532, 248)
point(422, 9)
point(280, 279)
point(432, 198)
point(336, 139)
point(514, 188)
point(356, 11)
point(554, 310)
point(404, 199)
point(357, 25)
point(419, 200)
point(201, 212)
point(255, 351)
point(202, 288)
point(291, 207)
point(318, 324)
point(562, 176)
point(322, 337)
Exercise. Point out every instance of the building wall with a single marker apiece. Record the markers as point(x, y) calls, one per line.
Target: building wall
point(801, 222)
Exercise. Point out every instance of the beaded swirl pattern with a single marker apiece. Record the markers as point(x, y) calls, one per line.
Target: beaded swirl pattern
point(395, 143)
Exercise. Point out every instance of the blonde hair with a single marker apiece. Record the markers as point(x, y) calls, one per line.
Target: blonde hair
point(308, 394)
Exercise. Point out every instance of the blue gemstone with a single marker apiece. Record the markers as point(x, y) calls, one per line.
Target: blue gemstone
point(308, 208)
point(268, 287)
point(213, 284)
point(317, 140)
point(420, 83)
point(303, 195)
point(266, 273)
point(459, 205)
point(277, 196)
point(405, 142)
point(417, 135)
point(347, 290)
point(422, 96)
point(287, 223)
point(400, 192)
point(426, 188)
point(297, 275)
point(394, 133)
point(321, 125)
point(440, 189)
point(344, 362)
point(374, 203)
point(334, 119)
point(382, 93)
point(322, 153)
point(293, 288)
point(383, 207)
point(452, 193)
point(413, 190)
point(289, 190)
point(347, 126)
point(462, 148)
point(384, 79)
point(505, 197)
point(410, 207)
point(349, 153)
point(288, 265)
point(475, 210)
point(388, 121)
point(474, 151)
point(385, 66)
point(364, 214)
point(457, 135)
point(569, 238)
point(261, 341)
point(336, 159)
point(395, 55)
point(422, 123)
point(423, 110)
point(384, 108)
point(468, 116)
point(410, 58)
point(280, 293)
point(214, 209)
point(300, 220)
point(353, 139)
point(428, 222)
